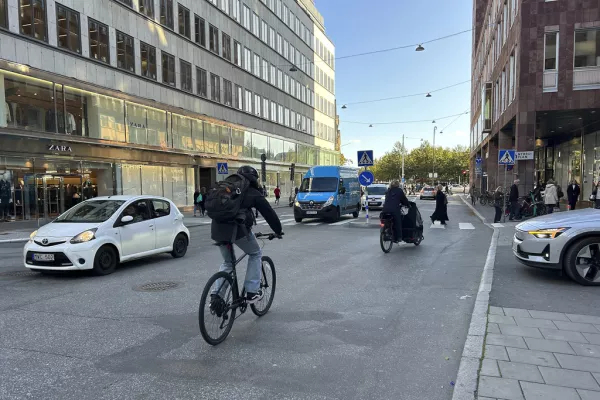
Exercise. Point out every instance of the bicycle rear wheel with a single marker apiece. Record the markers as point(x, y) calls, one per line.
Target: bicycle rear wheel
point(216, 321)
point(268, 282)
point(386, 240)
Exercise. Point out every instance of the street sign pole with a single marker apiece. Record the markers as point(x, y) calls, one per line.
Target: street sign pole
point(504, 200)
point(367, 203)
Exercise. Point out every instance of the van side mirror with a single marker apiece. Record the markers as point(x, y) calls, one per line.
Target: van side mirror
point(126, 219)
point(342, 190)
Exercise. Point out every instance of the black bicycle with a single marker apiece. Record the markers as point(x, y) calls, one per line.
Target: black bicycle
point(221, 297)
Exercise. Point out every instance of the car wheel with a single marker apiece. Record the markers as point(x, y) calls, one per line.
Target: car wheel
point(420, 197)
point(582, 262)
point(105, 261)
point(180, 245)
point(298, 220)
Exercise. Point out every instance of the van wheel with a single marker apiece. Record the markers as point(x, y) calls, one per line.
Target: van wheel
point(338, 214)
point(298, 220)
point(355, 213)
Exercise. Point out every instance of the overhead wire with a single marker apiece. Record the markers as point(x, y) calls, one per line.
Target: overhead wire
point(454, 120)
point(402, 122)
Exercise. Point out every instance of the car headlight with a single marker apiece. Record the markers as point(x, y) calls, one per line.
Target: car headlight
point(32, 236)
point(382, 198)
point(297, 203)
point(84, 236)
point(328, 202)
point(548, 233)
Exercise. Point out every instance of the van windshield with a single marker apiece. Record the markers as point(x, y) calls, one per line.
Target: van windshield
point(319, 185)
point(376, 190)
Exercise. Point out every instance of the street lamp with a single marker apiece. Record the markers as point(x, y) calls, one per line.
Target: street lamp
point(428, 95)
point(344, 107)
point(293, 69)
point(420, 48)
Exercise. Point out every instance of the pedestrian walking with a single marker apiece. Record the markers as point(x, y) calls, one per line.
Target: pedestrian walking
point(202, 201)
point(277, 193)
point(551, 196)
point(473, 194)
point(441, 207)
point(513, 198)
point(196, 197)
point(498, 199)
point(573, 192)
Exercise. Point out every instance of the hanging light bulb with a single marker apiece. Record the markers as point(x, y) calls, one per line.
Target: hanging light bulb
point(420, 48)
point(428, 95)
point(344, 107)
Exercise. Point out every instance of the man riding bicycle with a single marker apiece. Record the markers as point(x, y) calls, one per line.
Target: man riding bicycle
point(223, 233)
point(394, 200)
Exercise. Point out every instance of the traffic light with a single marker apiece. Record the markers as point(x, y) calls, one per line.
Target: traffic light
point(292, 171)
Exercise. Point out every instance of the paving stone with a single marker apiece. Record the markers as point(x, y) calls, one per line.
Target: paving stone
point(496, 352)
point(553, 346)
point(569, 378)
point(549, 315)
point(520, 331)
point(492, 328)
point(489, 367)
point(496, 310)
point(500, 319)
point(532, 357)
point(505, 340)
point(570, 336)
point(576, 326)
point(535, 391)
point(516, 312)
point(593, 338)
point(535, 323)
point(500, 388)
point(586, 319)
point(588, 350)
point(588, 394)
point(578, 363)
point(520, 371)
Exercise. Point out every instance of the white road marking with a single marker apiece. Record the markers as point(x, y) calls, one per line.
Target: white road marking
point(286, 215)
point(497, 225)
point(314, 223)
point(286, 220)
point(437, 226)
point(290, 223)
point(342, 222)
point(465, 225)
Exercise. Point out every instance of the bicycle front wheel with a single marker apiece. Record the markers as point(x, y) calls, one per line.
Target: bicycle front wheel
point(386, 241)
point(268, 282)
point(216, 314)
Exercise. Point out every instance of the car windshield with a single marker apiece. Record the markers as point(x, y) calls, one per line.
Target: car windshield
point(319, 185)
point(376, 190)
point(91, 211)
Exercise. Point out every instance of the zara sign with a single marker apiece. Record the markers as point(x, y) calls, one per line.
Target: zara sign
point(60, 148)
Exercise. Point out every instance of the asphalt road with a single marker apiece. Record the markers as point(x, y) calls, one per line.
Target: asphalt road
point(348, 321)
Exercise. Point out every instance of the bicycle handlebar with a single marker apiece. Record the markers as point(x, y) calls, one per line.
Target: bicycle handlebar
point(269, 236)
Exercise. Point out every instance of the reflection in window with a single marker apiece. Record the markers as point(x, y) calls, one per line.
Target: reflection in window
point(550, 51)
point(211, 138)
point(67, 22)
point(247, 152)
point(587, 48)
point(174, 185)
point(148, 55)
point(33, 19)
point(168, 68)
point(224, 139)
point(201, 82)
point(136, 124)
point(125, 57)
point(98, 36)
point(213, 37)
point(147, 7)
point(227, 93)
point(182, 132)
point(239, 97)
point(166, 13)
point(28, 103)
point(226, 47)
point(200, 30)
point(3, 14)
point(152, 184)
point(275, 149)
point(198, 135)
point(93, 115)
point(186, 76)
point(237, 53)
point(131, 180)
point(237, 143)
point(184, 22)
point(215, 87)
point(289, 151)
point(157, 127)
point(259, 145)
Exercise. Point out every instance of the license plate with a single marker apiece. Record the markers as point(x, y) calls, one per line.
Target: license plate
point(373, 204)
point(43, 257)
point(311, 212)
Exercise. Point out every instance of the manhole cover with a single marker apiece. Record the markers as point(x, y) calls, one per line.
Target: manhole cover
point(16, 274)
point(157, 286)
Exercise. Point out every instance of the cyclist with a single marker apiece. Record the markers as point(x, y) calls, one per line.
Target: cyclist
point(394, 200)
point(222, 233)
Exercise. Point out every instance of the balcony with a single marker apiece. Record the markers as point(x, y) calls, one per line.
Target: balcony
point(550, 81)
point(586, 78)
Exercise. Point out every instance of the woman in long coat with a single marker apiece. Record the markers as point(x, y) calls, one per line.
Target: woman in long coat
point(441, 207)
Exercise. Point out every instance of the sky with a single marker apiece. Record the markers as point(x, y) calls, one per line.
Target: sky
point(357, 26)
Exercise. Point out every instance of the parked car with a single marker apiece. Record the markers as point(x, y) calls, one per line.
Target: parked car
point(376, 194)
point(456, 188)
point(100, 233)
point(567, 241)
point(427, 192)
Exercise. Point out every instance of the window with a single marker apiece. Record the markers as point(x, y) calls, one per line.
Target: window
point(286, 83)
point(237, 53)
point(227, 93)
point(280, 79)
point(98, 34)
point(246, 17)
point(200, 30)
point(247, 59)
point(201, 82)
point(297, 27)
point(286, 116)
point(272, 37)
point(168, 69)
point(273, 75)
point(286, 49)
point(186, 75)
point(226, 47)
point(292, 86)
point(236, 10)
point(213, 37)
point(550, 51)
point(147, 7)
point(255, 24)
point(279, 44)
point(126, 2)
point(265, 70)
point(292, 54)
point(256, 64)
point(285, 14)
point(264, 31)
point(125, 58)
point(257, 104)
point(148, 55)
point(3, 14)
point(290, 22)
point(248, 101)
point(587, 48)
point(224, 6)
point(273, 111)
point(67, 23)
point(160, 208)
point(278, 8)
point(511, 78)
point(280, 113)
point(265, 108)
point(166, 13)
point(184, 22)
point(215, 87)
point(239, 99)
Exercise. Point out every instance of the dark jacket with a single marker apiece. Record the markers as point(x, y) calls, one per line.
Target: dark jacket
point(514, 193)
point(196, 194)
point(441, 208)
point(498, 199)
point(220, 232)
point(573, 193)
point(393, 199)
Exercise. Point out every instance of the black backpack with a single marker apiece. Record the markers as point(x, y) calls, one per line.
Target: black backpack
point(224, 202)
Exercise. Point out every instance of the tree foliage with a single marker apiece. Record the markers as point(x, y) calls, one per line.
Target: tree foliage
point(418, 163)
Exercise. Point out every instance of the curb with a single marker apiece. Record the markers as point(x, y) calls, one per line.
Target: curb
point(18, 240)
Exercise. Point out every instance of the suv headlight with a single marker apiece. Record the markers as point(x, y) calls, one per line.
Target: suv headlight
point(297, 203)
point(548, 233)
point(328, 202)
point(84, 236)
point(32, 236)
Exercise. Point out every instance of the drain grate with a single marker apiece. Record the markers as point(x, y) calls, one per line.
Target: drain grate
point(157, 286)
point(17, 274)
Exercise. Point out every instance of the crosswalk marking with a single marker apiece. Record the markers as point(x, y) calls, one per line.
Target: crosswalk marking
point(465, 225)
point(314, 223)
point(287, 220)
point(342, 222)
point(497, 225)
point(290, 223)
point(436, 226)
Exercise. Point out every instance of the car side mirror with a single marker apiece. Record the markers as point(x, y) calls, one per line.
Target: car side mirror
point(342, 190)
point(126, 219)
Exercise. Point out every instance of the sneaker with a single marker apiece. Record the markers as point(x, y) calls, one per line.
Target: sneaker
point(216, 304)
point(252, 298)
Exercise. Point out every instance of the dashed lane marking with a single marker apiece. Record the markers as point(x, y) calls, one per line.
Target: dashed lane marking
point(342, 222)
point(465, 225)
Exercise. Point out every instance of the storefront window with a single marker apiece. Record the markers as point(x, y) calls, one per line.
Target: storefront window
point(275, 149)
point(302, 154)
point(26, 102)
point(175, 185)
point(212, 138)
point(189, 176)
point(237, 143)
point(157, 128)
point(93, 115)
point(312, 156)
point(198, 135)
point(136, 124)
point(247, 144)
point(152, 180)
point(17, 189)
point(259, 145)
point(100, 177)
point(182, 132)
point(289, 150)
point(131, 179)
point(225, 138)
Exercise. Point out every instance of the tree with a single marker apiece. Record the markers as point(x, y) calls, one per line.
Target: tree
point(344, 160)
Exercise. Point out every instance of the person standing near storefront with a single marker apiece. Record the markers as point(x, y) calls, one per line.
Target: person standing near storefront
point(195, 199)
point(513, 198)
point(573, 192)
point(202, 201)
point(498, 200)
point(551, 196)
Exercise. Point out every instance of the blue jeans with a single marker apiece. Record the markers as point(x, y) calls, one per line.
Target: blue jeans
point(250, 246)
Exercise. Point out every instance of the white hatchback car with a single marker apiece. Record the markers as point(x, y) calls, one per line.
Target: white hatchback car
point(100, 233)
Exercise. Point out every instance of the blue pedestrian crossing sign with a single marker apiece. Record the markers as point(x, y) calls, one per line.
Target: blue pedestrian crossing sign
point(478, 161)
point(365, 158)
point(222, 168)
point(506, 157)
point(366, 178)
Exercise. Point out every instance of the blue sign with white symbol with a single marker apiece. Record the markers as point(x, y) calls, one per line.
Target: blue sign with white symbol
point(366, 178)
point(365, 158)
point(478, 161)
point(506, 157)
point(222, 168)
